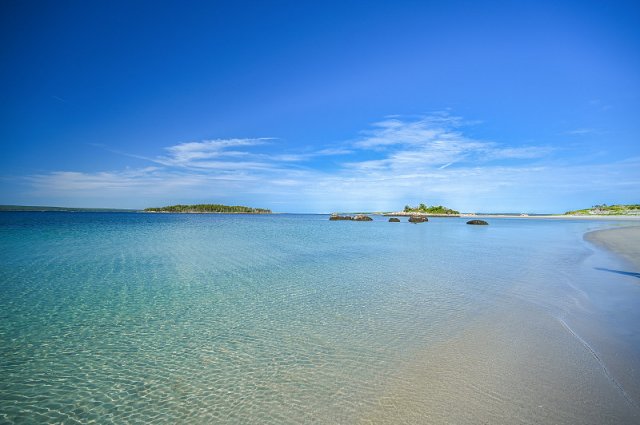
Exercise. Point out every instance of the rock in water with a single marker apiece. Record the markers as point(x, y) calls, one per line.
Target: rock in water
point(478, 222)
point(394, 220)
point(340, 217)
point(417, 219)
point(359, 217)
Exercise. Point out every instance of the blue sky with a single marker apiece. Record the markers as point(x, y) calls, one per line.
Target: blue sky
point(321, 106)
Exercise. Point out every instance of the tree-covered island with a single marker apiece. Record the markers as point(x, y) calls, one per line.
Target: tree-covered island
point(434, 209)
point(208, 209)
point(425, 210)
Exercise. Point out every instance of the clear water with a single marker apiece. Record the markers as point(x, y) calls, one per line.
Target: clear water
point(163, 318)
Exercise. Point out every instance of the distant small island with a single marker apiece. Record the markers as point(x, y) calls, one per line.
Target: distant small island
point(208, 209)
point(40, 208)
point(423, 209)
point(604, 209)
point(434, 209)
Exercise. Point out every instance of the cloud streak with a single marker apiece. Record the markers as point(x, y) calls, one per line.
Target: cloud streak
point(208, 153)
point(395, 161)
point(433, 141)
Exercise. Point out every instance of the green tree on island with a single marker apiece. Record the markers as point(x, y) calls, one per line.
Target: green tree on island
point(434, 209)
point(209, 208)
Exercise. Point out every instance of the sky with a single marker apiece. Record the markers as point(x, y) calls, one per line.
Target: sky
point(520, 106)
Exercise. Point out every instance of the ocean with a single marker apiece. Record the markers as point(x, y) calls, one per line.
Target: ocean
point(284, 318)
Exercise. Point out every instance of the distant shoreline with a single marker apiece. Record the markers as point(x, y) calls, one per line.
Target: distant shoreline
point(29, 208)
point(38, 208)
point(558, 216)
point(515, 215)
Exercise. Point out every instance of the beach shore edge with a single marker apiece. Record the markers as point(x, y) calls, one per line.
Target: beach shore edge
point(623, 241)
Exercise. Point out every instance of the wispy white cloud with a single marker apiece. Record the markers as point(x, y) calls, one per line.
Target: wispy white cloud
point(408, 160)
point(598, 103)
point(524, 152)
point(234, 154)
point(334, 152)
point(396, 131)
point(429, 142)
point(580, 131)
point(199, 154)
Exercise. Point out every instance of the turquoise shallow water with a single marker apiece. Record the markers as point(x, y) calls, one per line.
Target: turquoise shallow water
point(116, 317)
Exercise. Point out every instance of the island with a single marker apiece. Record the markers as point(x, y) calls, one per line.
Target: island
point(208, 209)
point(604, 209)
point(425, 210)
point(40, 208)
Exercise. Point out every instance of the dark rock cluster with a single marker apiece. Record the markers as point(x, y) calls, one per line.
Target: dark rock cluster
point(417, 219)
point(412, 219)
point(478, 222)
point(359, 217)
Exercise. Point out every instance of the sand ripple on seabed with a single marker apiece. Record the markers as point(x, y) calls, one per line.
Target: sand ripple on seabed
point(513, 367)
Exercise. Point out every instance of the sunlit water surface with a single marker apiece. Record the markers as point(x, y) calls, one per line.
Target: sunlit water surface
point(165, 318)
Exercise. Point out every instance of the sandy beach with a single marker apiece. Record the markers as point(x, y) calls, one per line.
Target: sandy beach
point(624, 241)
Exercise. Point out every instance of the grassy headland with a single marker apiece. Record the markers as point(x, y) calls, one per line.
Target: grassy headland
point(604, 209)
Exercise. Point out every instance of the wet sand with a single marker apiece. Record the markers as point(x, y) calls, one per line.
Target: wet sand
point(624, 241)
point(513, 366)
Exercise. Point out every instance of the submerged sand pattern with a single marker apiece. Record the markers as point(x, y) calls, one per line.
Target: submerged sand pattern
point(136, 318)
